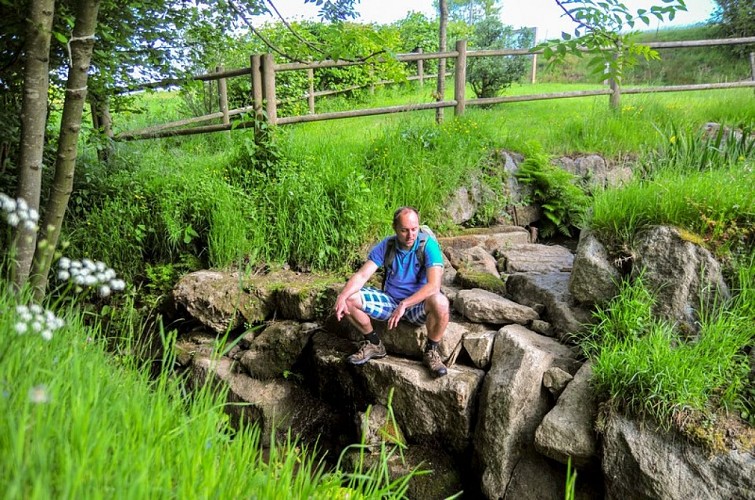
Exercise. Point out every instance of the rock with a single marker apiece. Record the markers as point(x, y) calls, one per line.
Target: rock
point(551, 290)
point(427, 409)
point(479, 346)
point(274, 404)
point(567, 430)
point(465, 201)
point(534, 258)
point(274, 351)
point(484, 280)
point(474, 259)
point(681, 274)
point(594, 279)
point(378, 427)
point(542, 327)
point(409, 340)
point(524, 215)
point(639, 462)
point(513, 403)
point(482, 306)
point(491, 239)
point(556, 380)
point(595, 171)
point(220, 301)
point(306, 300)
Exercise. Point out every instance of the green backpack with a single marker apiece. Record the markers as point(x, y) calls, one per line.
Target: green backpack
point(390, 250)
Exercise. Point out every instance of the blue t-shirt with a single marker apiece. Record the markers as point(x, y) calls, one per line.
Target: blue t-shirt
point(407, 276)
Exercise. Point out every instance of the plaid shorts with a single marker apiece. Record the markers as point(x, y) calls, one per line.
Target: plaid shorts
point(379, 305)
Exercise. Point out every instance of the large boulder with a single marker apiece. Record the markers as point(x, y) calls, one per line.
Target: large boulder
point(409, 340)
point(682, 275)
point(491, 239)
point(427, 409)
point(640, 462)
point(594, 279)
point(534, 258)
point(275, 350)
point(472, 259)
point(512, 405)
point(595, 170)
point(550, 290)
point(220, 301)
point(567, 430)
point(482, 306)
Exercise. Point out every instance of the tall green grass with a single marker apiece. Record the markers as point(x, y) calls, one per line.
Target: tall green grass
point(647, 369)
point(79, 422)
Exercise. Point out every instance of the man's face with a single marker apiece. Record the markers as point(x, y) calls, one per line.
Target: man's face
point(407, 228)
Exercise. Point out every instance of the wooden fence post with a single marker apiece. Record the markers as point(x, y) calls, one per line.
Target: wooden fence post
point(421, 68)
point(268, 87)
point(371, 73)
point(752, 66)
point(223, 96)
point(533, 73)
point(460, 77)
point(256, 85)
point(311, 95)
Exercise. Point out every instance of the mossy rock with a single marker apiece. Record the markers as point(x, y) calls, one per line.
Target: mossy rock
point(475, 279)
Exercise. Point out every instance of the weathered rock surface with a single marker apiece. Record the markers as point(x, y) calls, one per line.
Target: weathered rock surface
point(472, 259)
point(534, 258)
point(682, 275)
point(567, 430)
point(275, 350)
point(594, 279)
point(639, 462)
point(482, 306)
point(513, 403)
point(552, 291)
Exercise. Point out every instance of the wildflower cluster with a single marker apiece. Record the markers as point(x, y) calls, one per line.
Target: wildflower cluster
point(90, 274)
point(37, 320)
point(18, 212)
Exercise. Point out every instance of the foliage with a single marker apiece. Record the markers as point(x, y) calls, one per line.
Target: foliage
point(57, 394)
point(702, 185)
point(488, 76)
point(599, 32)
point(562, 200)
point(647, 369)
point(472, 12)
point(736, 18)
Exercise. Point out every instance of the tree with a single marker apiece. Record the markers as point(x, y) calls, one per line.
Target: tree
point(33, 123)
point(472, 11)
point(599, 34)
point(490, 75)
point(736, 18)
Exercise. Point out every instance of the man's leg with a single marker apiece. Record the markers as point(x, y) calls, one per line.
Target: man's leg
point(372, 347)
point(437, 310)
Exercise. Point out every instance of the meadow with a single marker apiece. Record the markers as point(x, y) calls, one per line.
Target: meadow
point(87, 417)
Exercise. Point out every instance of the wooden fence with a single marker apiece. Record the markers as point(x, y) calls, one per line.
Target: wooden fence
point(262, 71)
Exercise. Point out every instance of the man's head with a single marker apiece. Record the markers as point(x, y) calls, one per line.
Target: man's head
point(406, 226)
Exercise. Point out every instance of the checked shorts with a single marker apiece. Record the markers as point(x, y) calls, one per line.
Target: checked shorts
point(379, 305)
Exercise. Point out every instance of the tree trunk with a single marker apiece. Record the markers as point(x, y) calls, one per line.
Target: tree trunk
point(442, 44)
point(33, 121)
point(81, 44)
point(103, 124)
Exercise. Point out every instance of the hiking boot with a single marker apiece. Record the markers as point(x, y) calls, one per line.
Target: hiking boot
point(366, 352)
point(432, 361)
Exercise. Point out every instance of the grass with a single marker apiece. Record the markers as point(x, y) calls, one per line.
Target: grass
point(80, 422)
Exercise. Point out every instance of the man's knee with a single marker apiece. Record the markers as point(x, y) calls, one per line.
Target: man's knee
point(354, 302)
point(437, 304)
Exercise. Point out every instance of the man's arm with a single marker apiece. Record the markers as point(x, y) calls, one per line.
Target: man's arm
point(434, 278)
point(355, 283)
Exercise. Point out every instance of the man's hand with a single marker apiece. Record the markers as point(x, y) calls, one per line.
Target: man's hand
point(341, 308)
point(398, 313)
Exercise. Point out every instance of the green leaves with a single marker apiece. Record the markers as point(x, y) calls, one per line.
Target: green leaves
point(601, 33)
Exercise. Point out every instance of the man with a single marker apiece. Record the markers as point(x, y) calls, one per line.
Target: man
point(411, 292)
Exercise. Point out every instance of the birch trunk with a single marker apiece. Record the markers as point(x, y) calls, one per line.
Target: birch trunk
point(33, 121)
point(81, 44)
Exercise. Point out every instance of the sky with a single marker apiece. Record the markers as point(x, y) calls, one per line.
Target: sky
point(543, 14)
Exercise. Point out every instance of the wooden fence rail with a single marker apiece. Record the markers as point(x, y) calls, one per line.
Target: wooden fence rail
point(263, 69)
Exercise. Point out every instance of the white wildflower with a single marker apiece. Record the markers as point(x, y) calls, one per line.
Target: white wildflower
point(38, 394)
point(47, 334)
point(21, 327)
point(104, 291)
point(13, 219)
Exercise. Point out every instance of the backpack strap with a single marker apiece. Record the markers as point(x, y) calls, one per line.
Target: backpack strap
point(388, 258)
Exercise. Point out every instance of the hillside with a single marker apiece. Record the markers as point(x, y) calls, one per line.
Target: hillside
point(676, 66)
